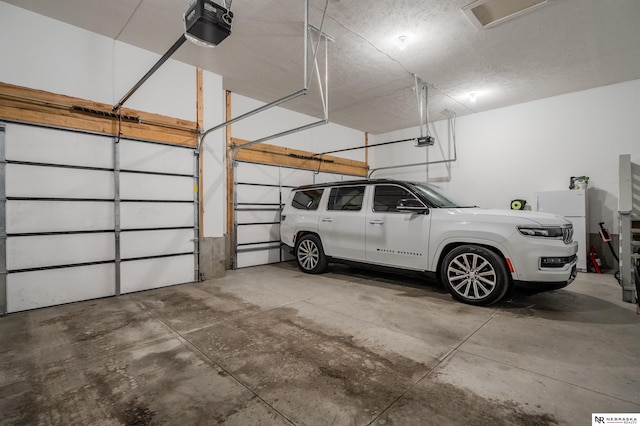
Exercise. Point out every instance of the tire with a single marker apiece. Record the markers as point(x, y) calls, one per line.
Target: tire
point(474, 275)
point(310, 255)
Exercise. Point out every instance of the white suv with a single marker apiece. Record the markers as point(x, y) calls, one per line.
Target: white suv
point(477, 253)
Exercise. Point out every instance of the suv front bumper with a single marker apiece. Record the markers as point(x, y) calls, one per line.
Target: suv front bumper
point(540, 286)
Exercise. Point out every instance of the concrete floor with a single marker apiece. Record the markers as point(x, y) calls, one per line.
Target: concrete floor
point(270, 345)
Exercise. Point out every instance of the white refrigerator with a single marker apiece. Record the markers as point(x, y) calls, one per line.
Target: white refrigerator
point(572, 204)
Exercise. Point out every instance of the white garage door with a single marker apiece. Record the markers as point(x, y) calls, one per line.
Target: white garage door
point(260, 192)
point(86, 217)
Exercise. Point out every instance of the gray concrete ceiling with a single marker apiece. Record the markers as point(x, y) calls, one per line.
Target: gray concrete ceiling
point(561, 47)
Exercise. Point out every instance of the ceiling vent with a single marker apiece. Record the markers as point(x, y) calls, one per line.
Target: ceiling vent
point(489, 13)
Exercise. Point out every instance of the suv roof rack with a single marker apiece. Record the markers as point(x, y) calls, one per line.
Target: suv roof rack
point(350, 183)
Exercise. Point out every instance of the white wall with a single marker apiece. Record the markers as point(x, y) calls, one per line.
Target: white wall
point(513, 152)
point(41, 58)
point(214, 159)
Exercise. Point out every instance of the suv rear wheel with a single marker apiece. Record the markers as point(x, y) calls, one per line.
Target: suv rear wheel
point(310, 255)
point(474, 275)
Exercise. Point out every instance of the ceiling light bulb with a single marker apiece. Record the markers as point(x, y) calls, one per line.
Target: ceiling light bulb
point(473, 97)
point(402, 42)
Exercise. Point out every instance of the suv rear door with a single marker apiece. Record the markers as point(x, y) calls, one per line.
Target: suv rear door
point(394, 238)
point(342, 222)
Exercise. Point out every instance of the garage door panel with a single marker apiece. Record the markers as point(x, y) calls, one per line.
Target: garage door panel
point(260, 188)
point(259, 257)
point(257, 173)
point(156, 243)
point(60, 216)
point(37, 289)
point(29, 216)
point(150, 157)
point(136, 186)
point(138, 275)
point(258, 233)
point(247, 194)
point(38, 145)
point(141, 215)
point(57, 182)
point(53, 250)
point(258, 216)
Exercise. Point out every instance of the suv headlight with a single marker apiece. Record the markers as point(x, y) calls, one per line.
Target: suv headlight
point(548, 232)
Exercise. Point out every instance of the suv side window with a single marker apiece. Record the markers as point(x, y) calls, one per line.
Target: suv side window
point(386, 197)
point(346, 198)
point(307, 200)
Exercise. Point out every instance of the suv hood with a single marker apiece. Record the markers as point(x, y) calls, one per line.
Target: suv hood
point(518, 217)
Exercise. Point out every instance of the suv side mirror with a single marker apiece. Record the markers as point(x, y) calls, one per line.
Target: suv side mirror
point(411, 205)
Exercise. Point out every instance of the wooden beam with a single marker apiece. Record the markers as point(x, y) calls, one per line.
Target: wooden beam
point(200, 124)
point(230, 170)
point(200, 99)
point(33, 106)
point(288, 157)
point(366, 150)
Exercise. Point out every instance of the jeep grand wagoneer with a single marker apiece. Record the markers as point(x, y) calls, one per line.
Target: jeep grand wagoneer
point(477, 253)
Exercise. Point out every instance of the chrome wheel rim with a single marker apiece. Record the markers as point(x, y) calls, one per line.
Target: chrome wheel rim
point(471, 276)
point(308, 255)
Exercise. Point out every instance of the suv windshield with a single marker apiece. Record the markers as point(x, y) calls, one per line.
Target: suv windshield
point(438, 197)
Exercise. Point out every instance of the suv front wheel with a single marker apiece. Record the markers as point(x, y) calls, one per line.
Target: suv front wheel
point(474, 275)
point(310, 255)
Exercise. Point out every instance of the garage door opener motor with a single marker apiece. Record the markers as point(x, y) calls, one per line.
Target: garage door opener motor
point(207, 23)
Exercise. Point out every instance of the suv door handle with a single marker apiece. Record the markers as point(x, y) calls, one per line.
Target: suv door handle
point(376, 221)
point(327, 219)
